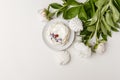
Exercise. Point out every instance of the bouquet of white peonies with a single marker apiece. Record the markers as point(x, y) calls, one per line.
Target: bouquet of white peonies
point(93, 21)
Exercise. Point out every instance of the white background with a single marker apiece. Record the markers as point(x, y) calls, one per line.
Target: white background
point(24, 56)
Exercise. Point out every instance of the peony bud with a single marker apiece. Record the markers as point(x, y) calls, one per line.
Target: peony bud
point(43, 15)
point(100, 48)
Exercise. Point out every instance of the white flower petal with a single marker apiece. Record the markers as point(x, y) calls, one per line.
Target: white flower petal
point(42, 12)
point(82, 1)
point(63, 57)
point(78, 39)
point(84, 50)
point(79, 46)
point(100, 48)
point(43, 17)
point(76, 24)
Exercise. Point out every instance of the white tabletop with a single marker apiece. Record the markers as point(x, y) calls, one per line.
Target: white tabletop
point(24, 55)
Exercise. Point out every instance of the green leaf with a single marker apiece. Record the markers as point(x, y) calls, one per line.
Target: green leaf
point(104, 9)
point(116, 14)
point(109, 33)
point(82, 14)
point(88, 8)
point(117, 25)
point(109, 19)
point(55, 5)
point(117, 4)
point(84, 32)
point(106, 25)
point(94, 19)
point(72, 2)
point(98, 34)
point(65, 12)
point(104, 37)
point(93, 7)
point(64, 1)
point(71, 13)
point(62, 10)
point(103, 29)
point(59, 13)
point(94, 1)
point(50, 15)
point(91, 28)
point(115, 29)
point(100, 3)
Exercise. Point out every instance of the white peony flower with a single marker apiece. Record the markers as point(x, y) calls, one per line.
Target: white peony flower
point(76, 24)
point(100, 48)
point(63, 57)
point(43, 15)
point(84, 50)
